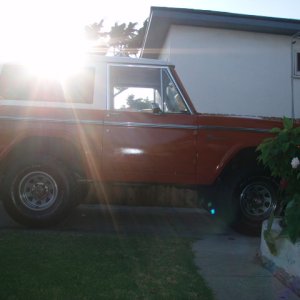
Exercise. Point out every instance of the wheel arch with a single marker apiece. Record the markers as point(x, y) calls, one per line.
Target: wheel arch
point(245, 159)
point(241, 169)
point(59, 148)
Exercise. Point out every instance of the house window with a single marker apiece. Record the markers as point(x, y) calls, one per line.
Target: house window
point(296, 63)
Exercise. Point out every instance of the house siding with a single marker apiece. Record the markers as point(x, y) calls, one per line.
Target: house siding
point(234, 72)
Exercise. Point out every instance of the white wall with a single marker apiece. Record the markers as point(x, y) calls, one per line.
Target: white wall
point(233, 72)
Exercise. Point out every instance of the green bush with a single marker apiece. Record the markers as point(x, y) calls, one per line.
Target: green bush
point(281, 154)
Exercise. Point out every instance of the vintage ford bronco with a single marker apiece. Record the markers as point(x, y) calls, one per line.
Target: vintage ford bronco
point(121, 120)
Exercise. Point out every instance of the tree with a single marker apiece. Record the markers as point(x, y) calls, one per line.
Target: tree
point(95, 33)
point(122, 39)
point(138, 104)
point(136, 42)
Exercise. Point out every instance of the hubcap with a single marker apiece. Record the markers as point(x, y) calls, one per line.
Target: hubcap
point(38, 191)
point(256, 201)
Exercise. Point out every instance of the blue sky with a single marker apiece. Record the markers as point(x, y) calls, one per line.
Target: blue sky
point(139, 10)
point(135, 10)
point(80, 12)
point(36, 26)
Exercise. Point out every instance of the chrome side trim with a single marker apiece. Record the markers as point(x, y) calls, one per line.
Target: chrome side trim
point(225, 128)
point(49, 120)
point(93, 122)
point(135, 124)
point(151, 125)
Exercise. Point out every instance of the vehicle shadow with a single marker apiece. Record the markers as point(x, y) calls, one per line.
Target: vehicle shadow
point(134, 220)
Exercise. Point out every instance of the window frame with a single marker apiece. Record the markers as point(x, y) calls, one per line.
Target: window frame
point(296, 63)
point(109, 96)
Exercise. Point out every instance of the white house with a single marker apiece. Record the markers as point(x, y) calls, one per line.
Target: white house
point(230, 63)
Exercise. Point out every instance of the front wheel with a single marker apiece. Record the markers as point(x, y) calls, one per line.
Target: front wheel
point(38, 192)
point(252, 199)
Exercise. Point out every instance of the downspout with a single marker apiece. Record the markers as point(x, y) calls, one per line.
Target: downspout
point(294, 39)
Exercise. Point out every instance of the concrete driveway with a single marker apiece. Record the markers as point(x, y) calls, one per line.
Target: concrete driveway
point(227, 260)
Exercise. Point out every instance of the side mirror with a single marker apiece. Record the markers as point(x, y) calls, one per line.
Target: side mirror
point(156, 109)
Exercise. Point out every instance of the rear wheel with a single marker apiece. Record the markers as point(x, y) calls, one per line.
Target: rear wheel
point(252, 199)
point(38, 192)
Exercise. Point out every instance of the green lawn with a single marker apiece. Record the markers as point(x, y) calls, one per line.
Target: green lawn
point(53, 265)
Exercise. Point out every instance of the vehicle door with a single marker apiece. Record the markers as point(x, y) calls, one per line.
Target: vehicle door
point(150, 133)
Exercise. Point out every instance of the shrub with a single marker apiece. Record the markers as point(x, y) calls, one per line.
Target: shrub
point(281, 154)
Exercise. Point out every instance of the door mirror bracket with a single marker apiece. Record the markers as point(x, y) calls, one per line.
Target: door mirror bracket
point(156, 109)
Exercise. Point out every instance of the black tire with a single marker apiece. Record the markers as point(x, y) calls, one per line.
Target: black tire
point(250, 200)
point(38, 192)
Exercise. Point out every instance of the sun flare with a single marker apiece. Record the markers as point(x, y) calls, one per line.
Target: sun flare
point(54, 65)
point(53, 57)
point(46, 36)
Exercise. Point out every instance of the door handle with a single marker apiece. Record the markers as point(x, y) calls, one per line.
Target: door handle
point(112, 114)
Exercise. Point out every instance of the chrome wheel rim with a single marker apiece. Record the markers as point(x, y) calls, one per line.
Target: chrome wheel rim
point(38, 191)
point(256, 201)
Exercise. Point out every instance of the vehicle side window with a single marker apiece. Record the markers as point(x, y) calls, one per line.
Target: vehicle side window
point(173, 101)
point(17, 82)
point(134, 88)
point(142, 88)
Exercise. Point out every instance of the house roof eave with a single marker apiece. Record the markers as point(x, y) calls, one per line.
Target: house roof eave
point(162, 18)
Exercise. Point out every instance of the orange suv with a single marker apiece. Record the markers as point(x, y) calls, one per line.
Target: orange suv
point(121, 120)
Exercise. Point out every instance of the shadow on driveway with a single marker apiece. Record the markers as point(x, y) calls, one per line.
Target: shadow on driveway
point(126, 220)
